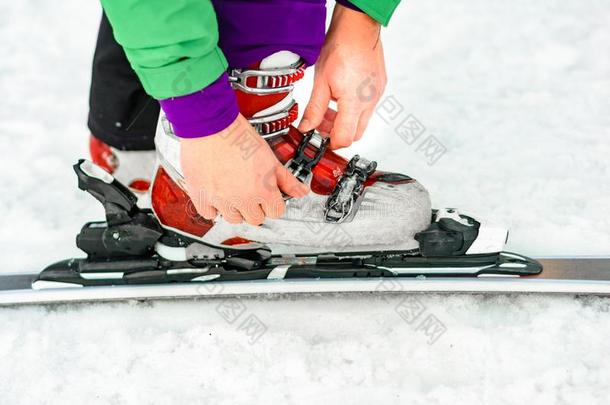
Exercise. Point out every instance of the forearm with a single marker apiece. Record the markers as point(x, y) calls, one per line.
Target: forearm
point(172, 46)
point(174, 50)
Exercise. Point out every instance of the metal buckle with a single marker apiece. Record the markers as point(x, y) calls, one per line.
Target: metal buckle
point(347, 195)
point(301, 165)
point(167, 126)
point(239, 79)
point(259, 122)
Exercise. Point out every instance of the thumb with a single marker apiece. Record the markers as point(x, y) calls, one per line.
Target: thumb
point(289, 184)
point(317, 106)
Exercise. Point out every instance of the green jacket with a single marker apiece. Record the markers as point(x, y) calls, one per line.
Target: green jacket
point(173, 44)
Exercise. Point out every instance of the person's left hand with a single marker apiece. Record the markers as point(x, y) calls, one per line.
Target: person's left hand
point(350, 71)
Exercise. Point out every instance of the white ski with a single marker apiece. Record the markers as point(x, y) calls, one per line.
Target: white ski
point(577, 276)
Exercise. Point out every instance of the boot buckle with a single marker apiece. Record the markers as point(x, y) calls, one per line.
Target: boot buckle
point(268, 81)
point(301, 165)
point(347, 195)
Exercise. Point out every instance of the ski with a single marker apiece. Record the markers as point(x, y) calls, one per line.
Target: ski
point(576, 276)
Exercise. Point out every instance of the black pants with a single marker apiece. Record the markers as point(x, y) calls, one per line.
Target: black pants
point(120, 112)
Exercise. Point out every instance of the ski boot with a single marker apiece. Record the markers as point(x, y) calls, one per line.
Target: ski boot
point(132, 168)
point(351, 206)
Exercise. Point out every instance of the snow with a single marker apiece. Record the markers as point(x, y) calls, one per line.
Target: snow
point(501, 350)
point(517, 92)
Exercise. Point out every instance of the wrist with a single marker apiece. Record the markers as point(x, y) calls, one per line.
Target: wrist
point(202, 113)
point(221, 136)
point(352, 25)
point(348, 4)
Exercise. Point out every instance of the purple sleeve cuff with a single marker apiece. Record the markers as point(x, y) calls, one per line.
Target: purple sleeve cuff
point(347, 4)
point(203, 113)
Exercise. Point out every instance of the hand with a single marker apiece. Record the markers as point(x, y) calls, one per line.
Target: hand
point(351, 71)
point(235, 173)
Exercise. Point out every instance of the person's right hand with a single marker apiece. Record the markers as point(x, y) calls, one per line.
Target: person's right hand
point(235, 173)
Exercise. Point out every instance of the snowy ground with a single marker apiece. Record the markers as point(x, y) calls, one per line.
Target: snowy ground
point(339, 351)
point(518, 94)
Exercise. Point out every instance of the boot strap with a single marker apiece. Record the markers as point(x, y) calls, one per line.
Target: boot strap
point(349, 191)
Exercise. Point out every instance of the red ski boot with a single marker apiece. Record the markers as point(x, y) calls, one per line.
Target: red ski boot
point(351, 206)
point(132, 168)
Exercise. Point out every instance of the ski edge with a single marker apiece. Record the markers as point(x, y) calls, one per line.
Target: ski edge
point(269, 288)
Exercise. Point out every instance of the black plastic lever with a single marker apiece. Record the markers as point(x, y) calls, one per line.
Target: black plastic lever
point(119, 202)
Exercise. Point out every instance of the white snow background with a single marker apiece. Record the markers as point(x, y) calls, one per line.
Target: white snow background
point(517, 92)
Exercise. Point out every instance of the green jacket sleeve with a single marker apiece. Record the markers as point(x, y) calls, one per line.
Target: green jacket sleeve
point(171, 44)
point(380, 10)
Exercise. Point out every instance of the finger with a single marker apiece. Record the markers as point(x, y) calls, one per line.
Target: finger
point(325, 127)
point(274, 207)
point(330, 115)
point(346, 123)
point(289, 184)
point(362, 124)
point(207, 211)
point(327, 123)
point(253, 214)
point(317, 106)
point(230, 214)
point(202, 205)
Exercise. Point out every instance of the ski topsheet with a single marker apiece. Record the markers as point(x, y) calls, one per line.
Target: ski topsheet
point(580, 276)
